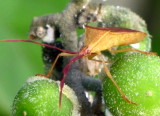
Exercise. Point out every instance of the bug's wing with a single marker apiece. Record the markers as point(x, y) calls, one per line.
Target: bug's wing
point(99, 39)
point(93, 36)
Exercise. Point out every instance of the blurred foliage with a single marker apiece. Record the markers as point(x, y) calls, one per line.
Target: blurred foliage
point(19, 61)
point(153, 21)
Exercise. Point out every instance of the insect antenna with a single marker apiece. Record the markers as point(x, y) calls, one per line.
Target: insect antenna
point(42, 44)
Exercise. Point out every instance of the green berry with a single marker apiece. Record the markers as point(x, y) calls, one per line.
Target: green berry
point(138, 76)
point(40, 97)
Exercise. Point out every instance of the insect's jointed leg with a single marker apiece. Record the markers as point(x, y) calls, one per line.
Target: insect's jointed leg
point(100, 61)
point(111, 78)
point(91, 57)
point(51, 69)
point(129, 50)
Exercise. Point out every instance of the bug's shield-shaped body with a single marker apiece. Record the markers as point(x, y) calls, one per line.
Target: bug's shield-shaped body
point(99, 39)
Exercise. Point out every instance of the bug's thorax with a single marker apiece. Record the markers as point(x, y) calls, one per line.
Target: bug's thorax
point(85, 51)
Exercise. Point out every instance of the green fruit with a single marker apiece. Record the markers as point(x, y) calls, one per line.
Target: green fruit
point(40, 97)
point(138, 76)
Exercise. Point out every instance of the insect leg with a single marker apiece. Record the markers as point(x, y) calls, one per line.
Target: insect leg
point(131, 49)
point(91, 57)
point(111, 78)
point(51, 69)
point(99, 61)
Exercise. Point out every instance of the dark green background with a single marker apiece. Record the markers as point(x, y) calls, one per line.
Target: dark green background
point(19, 61)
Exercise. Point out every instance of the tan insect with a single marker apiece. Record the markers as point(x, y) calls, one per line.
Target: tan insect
point(96, 40)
